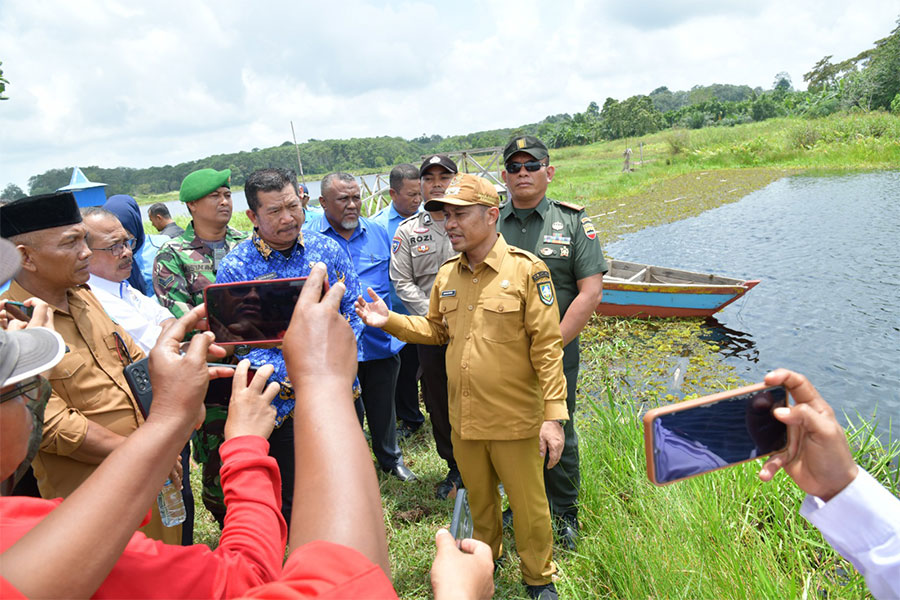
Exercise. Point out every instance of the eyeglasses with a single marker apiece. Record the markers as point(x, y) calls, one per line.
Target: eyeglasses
point(32, 389)
point(531, 166)
point(118, 249)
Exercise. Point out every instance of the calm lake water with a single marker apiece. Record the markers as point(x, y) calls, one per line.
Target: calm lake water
point(827, 250)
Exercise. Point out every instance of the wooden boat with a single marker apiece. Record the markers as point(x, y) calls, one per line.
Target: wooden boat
point(637, 290)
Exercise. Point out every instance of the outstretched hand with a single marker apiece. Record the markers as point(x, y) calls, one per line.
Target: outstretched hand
point(374, 313)
point(817, 458)
point(465, 571)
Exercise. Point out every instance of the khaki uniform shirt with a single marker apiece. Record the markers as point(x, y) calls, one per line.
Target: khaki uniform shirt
point(419, 248)
point(88, 384)
point(504, 358)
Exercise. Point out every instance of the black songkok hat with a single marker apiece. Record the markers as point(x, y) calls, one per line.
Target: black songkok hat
point(35, 213)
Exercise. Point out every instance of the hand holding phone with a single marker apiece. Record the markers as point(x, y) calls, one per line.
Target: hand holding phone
point(818, 457)
point(34, 312)
point(698, 436)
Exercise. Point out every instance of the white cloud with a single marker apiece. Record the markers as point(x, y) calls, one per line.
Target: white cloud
point(113, 83)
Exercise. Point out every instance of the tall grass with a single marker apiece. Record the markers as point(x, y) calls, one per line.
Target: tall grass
point(721, 535)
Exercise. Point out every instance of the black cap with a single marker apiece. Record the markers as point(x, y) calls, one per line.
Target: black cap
point(438, 159)
point(527, 144)
point(35, 213)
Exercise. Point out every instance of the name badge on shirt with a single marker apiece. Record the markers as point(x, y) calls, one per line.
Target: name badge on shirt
point(448, 293)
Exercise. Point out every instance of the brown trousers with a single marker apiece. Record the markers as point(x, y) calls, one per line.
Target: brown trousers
point(518, 464)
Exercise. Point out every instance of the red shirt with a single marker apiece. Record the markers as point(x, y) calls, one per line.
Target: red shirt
point(325, 570)
point(250, 551)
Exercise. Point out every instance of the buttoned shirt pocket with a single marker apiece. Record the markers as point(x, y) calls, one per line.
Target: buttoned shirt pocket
point(448, 307)
point(502, 319)
point(64, 379)
point(423, 259)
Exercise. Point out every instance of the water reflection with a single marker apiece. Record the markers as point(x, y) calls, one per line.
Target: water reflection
point(826, 251)
point(731, 343)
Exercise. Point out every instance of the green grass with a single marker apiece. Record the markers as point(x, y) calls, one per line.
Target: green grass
point(723, 535)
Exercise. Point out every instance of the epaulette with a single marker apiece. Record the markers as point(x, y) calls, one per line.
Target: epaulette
point(453, 258)
point(408, 219)
point(516, 250)
point(569, 205)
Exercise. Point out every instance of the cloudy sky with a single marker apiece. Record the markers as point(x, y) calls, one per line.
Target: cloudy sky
point(119, 83)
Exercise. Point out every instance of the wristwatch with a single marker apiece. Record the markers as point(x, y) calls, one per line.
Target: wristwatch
point(562, 422)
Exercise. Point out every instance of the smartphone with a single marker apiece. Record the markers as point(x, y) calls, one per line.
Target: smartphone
point(461, 524)
point(218, 393)
point(251, 312)
point(24, 312)
point(713, 432)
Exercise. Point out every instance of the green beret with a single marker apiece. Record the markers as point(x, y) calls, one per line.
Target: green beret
point(203, 182)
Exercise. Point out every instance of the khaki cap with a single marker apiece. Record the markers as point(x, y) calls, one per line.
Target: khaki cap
point(466, 190)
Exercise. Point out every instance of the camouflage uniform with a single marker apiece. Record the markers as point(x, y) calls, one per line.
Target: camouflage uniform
point(183, 267)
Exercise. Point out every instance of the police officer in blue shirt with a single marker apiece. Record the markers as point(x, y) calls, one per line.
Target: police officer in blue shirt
point(406, 200)
point(368, 246)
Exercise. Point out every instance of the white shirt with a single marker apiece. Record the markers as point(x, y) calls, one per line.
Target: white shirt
point(139, 315)
point(862, 523)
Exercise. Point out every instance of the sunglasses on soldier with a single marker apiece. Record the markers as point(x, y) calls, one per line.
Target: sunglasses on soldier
point(531, 166)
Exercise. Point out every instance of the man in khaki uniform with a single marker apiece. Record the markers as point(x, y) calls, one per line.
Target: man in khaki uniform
point(495, 305)
point(91, 410)
point(419, 247)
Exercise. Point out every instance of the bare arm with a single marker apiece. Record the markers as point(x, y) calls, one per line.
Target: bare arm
point(94, 521)
point(99, 442)
point(342, 501)
point(590, 291)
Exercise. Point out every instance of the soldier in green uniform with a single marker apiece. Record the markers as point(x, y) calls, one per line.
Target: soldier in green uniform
point(562, 235)
point(183, 267)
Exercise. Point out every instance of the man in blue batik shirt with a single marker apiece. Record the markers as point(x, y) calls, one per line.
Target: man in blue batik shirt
point(367, 244)
point(279, 250)
point(406, 201)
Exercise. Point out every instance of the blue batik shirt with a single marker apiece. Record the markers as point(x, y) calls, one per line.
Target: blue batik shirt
point(254, 259)
point(370, 250)
point(390, 219)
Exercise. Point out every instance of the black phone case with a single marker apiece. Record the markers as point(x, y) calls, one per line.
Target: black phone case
point(137, 374)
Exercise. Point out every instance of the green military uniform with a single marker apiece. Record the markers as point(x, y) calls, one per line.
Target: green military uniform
point(183, 267)
point(562, 235)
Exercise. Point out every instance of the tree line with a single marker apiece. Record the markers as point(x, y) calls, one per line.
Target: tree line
point(868, 81)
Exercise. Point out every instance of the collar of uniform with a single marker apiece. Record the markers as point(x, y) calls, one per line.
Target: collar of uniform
point(506, 211)
point(493, 258)
point(263, 247)
point(111, 287)
point(325, 225)
point(189, 236)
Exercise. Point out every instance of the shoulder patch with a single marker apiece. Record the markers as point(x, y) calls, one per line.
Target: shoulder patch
point(570, 205)
point(545, 290)
point(395, 245)
point(541, 275)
